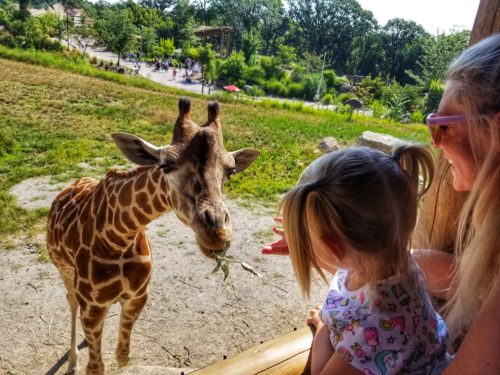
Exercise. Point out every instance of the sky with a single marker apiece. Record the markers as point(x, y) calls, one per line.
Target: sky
point(433, 15)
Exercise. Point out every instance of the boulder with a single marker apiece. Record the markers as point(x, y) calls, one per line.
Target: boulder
point(328, 144)
point(381, 142)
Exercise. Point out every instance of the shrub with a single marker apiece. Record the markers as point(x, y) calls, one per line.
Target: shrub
point(296, 90)
point(330, 78)
point(276, 88)
point(311, 86)
point(340, 99)
point(379, 110)
point(231, 69)
point(327, 99)
point(371, 88)
point(417, 117)
point(255, 91)
point(254, 75)
point(397, 108)
point(434, 96)
point(270, 67)
point(298, 73)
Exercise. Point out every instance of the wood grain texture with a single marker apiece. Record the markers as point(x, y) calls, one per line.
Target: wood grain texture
point(285, 355)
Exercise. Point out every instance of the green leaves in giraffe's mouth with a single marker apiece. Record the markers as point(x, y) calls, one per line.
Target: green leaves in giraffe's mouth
point(224, 260)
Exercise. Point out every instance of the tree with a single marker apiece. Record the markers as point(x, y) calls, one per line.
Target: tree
point(331, 25)
point(243, 15)
point(148, 39)
point(160, 5)
point(69, 5)
point(144, 17)
point(403, 44)
point(116, 30)
point(83, 36)
point(206, 56)
point(183, 20)
point(250, 46)
point(367, 56)
point(285, 56)
point(438, 53)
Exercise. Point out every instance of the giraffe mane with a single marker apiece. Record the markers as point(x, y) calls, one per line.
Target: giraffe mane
point(116, 173)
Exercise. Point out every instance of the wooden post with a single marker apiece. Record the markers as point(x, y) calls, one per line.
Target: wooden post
point(487, 20)
point(437, 223)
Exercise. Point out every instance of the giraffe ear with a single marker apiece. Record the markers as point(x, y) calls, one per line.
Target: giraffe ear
point(244, 158)
point(137, 150)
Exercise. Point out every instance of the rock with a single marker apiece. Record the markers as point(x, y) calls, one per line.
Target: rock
point(328, 144)
point(381, 142)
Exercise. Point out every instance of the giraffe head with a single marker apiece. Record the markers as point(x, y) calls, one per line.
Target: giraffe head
point(194, 168)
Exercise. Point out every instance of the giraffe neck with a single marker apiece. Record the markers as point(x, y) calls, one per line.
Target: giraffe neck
point(127, 201)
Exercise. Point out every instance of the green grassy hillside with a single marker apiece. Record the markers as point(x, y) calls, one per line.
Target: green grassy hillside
point(52, 120)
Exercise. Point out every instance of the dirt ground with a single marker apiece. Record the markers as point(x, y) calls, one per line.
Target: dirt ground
point(192, 319)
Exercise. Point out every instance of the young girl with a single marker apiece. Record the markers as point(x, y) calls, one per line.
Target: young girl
point(352, 214)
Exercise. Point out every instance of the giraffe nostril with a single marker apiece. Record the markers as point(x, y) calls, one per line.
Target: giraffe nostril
point(227, 218)
point(209, 220)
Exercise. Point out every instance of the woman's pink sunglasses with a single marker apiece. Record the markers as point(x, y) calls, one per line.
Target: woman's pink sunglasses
point(437, 125)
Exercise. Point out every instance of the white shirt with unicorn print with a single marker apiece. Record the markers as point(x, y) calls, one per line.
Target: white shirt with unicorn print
point(391, 328)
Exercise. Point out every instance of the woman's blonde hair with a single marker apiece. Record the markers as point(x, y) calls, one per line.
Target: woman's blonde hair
point(360, 197)
point(476, 80)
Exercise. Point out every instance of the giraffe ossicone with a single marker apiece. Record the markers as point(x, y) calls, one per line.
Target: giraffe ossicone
point(95, 229)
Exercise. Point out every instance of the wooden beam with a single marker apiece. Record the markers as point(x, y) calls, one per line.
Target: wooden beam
point(487, 20)
point(285, 355)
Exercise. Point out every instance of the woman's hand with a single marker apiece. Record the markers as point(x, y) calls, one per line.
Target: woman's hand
point(278, 247)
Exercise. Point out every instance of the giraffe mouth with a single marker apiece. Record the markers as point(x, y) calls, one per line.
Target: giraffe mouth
point(212, 252)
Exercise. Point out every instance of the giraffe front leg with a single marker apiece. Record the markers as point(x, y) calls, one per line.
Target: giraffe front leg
point(93, 322)
point(73, 352)
point(68, 279)
point(131, 309)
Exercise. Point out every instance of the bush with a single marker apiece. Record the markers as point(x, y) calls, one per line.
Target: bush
point(298, 73)
point(255, 91)
point(327, 99)
point(397, 108)
point(434, 96)
point(232, 69)
point(330, 78)
point(340, 99)
point(417, 117)
point(275, 88)
point(270, 67)
point(296, 90)
point(254, 75)
point(311, 86)
point(379, 110)
point(371, 89)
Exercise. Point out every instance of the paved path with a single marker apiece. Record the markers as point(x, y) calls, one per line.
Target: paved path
point(167, 79)
point(161, 77)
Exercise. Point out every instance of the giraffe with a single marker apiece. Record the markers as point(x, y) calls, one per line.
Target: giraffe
point(95, 229)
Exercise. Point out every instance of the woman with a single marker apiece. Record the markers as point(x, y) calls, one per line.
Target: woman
point(467, 130)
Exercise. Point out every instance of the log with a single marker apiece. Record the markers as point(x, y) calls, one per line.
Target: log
point(285, 355)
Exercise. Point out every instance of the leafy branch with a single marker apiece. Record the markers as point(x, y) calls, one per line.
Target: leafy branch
point(224, 260)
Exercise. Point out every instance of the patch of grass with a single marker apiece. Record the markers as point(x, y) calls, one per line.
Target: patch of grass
point(56, 118)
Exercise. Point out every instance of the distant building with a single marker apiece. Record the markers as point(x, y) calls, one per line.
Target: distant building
point(75, 15)
point(218, 36)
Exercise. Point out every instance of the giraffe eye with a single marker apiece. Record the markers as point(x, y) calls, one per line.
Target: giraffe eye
point(230, 172)
point(168, 167)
